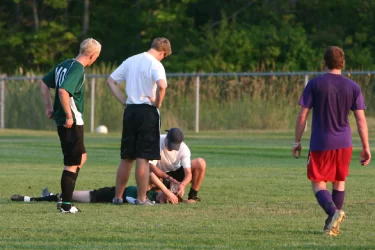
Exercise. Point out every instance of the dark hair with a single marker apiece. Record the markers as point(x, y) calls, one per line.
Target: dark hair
point(334, 58)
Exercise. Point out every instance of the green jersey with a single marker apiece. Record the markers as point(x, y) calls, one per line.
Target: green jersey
point(68, 75)
point(131, 191)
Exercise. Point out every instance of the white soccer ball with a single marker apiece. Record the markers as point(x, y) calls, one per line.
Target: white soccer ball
point(102, 129)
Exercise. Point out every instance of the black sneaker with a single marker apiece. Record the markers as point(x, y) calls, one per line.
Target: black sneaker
point(17, 197)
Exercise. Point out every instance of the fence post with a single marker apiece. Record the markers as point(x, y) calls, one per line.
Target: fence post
point(305, 83)
point(197, 105)
point(92, 106)
point(2, 103)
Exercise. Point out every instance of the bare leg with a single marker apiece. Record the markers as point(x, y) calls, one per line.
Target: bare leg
point(198, 168)
point(123, 173)
point(142, 175)
point(339, 185)
point(318, 186)
point(81, 196)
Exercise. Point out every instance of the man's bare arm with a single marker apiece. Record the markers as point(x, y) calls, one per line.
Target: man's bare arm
point(154, 169)
point(300, 128)
point(116, 90)
point(363, 134)
point(155, 180)
point(160, 92)
point(44, 90)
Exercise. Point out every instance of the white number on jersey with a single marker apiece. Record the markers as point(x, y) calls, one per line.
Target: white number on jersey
point(60, 76)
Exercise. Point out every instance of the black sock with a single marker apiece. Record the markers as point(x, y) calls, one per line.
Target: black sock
point(67, 187)
point(46, 198)
point(192, 193)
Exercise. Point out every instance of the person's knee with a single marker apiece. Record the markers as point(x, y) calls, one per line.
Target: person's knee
point(201, 163)
point(318, 186)
point(339, 185)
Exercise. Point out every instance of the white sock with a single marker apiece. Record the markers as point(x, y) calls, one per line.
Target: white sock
point(26, 198)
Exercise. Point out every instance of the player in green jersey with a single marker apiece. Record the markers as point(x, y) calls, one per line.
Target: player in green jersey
point(68, 80)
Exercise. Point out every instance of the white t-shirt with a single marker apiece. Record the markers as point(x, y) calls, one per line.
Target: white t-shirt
point(140, 73)
point(172, 160)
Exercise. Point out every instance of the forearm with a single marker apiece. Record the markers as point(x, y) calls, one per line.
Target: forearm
point(158, 172)
point(363, 132)
point(115, 90)
point(155, 180)
point(44, 89)
point(65, 102)
point(186, 180)
point(160, 93)
point(300, 127)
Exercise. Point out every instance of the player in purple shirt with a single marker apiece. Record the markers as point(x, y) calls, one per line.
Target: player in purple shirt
point(331, 97)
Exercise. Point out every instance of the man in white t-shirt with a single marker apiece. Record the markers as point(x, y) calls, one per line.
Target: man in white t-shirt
point(146, 84)
point(175, 163)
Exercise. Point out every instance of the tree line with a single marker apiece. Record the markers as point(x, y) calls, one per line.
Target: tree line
point(206, 35)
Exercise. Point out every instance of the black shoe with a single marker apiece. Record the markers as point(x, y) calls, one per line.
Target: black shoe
point(17, 197)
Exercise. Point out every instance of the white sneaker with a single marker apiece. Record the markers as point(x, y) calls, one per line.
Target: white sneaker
point(72, 210)
point(147, 202)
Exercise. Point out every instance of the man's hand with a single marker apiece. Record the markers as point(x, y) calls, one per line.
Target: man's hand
point(69, 122)
point(365, 156)
point(296, 150)
point(152, 100)
point(49, 113)
point(172, 198)
point(181, 190)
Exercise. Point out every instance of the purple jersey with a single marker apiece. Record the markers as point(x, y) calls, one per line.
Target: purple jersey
point(331, 97)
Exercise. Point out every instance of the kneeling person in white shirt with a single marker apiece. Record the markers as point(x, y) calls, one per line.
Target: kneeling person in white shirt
point(176, 163)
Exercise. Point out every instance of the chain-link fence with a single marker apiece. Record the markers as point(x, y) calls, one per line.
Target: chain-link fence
point(206, 101)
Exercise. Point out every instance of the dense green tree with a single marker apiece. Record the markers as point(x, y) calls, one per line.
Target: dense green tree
point(221, 35)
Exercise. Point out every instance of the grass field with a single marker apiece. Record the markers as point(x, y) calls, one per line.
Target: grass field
point(255, 196)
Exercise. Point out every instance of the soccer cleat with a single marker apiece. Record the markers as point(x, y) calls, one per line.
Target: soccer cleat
point(333, 228)
point(72, 210)
point(147, 202)
point(117, 201)
point(45, 192)
point(17, 197)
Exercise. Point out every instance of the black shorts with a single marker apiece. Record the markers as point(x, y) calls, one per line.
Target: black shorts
point(101, 195)
point(140, 132)
point(72, 146)
point(106, 194)
point(178, 175)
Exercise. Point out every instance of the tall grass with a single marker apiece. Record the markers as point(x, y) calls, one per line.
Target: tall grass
point(229, 102)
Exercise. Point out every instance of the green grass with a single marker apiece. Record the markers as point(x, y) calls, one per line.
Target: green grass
point(255, 196)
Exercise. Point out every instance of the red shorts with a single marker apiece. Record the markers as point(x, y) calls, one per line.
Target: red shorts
point(329, 165)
